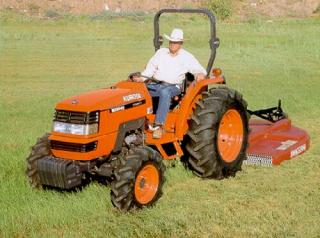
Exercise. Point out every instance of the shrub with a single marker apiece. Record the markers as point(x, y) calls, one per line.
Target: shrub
point(51, 14)
point(317, 10)
point(221, 8)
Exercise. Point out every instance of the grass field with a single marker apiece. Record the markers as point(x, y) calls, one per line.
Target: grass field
point(44, 61)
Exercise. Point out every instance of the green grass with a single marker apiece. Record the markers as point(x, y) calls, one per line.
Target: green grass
point(44, 61)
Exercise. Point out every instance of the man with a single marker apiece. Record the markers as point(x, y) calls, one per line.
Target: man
point(169, 66)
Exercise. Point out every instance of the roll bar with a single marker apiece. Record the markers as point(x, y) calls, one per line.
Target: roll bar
point(213, 42)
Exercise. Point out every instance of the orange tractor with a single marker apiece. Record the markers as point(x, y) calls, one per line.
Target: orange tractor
point(105, 133)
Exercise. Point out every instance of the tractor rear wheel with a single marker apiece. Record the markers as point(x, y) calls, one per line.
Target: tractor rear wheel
point(138, 180)
point(217, 139)
point(38, 151)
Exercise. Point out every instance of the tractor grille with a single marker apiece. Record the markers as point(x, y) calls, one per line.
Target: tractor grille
point(74, 147)
point(76, 117)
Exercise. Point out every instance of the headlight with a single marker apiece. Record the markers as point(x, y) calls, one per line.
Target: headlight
point(75, 129)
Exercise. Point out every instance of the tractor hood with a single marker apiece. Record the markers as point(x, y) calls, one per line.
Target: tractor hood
point(102, 99)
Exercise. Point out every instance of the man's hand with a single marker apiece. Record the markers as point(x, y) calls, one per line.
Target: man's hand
point(200, 77)
point(135, 77)
point(138, 79)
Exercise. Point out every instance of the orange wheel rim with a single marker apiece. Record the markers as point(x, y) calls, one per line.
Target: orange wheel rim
point(230, 135)
point(147, 183)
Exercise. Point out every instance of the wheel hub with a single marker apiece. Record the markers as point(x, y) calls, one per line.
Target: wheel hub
point(147, 184)
point(142, 182)
point(230, 135)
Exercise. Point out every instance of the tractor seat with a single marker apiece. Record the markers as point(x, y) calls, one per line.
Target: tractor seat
point(189, 78)
point(186, 83)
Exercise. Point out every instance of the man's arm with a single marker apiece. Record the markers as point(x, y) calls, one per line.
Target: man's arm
point(196, 68)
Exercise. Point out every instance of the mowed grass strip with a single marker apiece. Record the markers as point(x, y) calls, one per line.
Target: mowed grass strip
point(45, 61)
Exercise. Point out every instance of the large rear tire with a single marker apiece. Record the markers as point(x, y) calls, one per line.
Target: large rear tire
point(38, 151)
point(138, 180)
point(217, 139)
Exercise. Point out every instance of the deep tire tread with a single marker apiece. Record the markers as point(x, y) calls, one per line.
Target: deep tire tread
point(201, 152)
point(122, 188)
point(38, 151)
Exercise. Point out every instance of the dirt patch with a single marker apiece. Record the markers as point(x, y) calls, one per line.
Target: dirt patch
point(277, 8)
point(242, 9)
point(92, 6)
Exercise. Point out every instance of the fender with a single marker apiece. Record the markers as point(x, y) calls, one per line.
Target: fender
point(192, 95)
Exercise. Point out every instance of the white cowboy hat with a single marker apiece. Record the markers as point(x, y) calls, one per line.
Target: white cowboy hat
point(176, 35)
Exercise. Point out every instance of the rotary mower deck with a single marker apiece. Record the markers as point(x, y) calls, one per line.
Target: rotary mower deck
point(273, 138)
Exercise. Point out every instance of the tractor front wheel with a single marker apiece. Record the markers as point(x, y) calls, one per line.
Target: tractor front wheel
point(38, 151)
point(138, 180)
point(217, 139)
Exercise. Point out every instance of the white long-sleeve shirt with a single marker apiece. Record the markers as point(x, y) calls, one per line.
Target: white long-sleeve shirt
point(172, 68)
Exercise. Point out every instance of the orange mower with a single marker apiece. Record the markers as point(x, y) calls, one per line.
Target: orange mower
point(104, 134)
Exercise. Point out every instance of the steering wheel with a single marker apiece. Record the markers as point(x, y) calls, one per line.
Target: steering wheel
point(149, 80)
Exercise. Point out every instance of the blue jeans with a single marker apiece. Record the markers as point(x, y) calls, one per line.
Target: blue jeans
point(165, 94)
